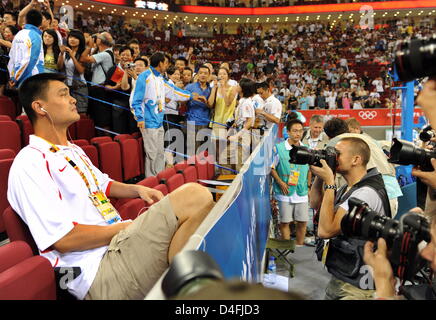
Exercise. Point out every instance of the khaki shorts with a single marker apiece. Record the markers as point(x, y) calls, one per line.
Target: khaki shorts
point(293, 211)
point(137, 256)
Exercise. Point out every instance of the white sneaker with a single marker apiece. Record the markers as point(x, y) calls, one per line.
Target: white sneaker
point(309, 241)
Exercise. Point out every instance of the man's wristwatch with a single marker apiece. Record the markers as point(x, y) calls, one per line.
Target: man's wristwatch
point(330, 186)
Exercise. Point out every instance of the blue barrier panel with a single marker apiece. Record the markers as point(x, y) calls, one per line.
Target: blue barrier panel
point(238, 239)
point(235, 232)
point(407, 201)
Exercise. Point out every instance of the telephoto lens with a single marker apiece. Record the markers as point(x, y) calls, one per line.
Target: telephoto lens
point(406, 153)
point(415, 58)
point(304, 155)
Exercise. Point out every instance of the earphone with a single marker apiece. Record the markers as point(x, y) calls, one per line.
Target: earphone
point(42, 109)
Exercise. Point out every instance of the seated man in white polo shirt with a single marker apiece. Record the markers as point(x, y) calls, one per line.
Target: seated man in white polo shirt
point(63, 198)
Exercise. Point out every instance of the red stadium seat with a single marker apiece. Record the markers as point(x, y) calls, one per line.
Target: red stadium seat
point(179, 167)
point(7, 107)
point(23, 276)
point(190, 174)
point(10, 137)
point(136, 135)
point(149, 182)
point(17, 229)
point(201, 171)
point(141, 155)
point(164, 175)
point(4, 117)
point(92, 153)
point(162, 188)
point(85, 129)
point(121, 137)
point(133, 208)
point(110, 159)
point(130, 158)
point(71, 134)
point(97, 140)
point(7, 154)
point(81, 142)
point(26, 129)
point(5, 166)
point(175, 181)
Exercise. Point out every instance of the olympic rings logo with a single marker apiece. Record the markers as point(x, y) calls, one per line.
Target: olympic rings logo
point(367, 115)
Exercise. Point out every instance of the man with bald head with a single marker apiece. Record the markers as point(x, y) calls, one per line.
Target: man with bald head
point(102, 61)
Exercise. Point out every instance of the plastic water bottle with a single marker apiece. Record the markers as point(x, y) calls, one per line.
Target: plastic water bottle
point(272, 271)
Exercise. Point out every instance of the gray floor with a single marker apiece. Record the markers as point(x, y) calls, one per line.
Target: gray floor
point(310, 278)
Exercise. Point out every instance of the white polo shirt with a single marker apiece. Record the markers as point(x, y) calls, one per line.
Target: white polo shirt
point(274, 107)
point(51, 197)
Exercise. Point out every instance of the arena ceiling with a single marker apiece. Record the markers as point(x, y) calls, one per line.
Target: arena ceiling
point(420, 8)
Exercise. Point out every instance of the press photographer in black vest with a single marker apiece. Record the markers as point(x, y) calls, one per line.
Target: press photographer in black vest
point(343, 256)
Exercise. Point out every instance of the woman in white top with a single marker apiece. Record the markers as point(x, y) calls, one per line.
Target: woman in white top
point(69, 61)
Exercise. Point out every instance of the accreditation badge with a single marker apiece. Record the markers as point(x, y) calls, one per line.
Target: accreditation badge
point(293, 178)
point(105, 207)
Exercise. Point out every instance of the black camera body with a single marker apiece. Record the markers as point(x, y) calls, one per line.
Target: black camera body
point(415, 58)
point(304, 155)
point(402, 237)
point(427, 134)
point(406, 153)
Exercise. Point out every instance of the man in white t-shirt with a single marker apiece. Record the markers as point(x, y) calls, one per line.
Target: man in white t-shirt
point(63, 198)
point(378, 84)
point(272, 110)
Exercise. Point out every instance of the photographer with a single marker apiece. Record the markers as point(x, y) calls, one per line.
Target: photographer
point(382, 270)
point(342, 255)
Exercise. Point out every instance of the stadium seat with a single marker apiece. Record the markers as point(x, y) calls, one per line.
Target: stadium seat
point(24, 276)
point(85, 129)
point(141, 155)
point(81, 142)
point(149, 182)
point(7, 107)
point(17, 229)
point(133, 208)
point(130, 158)
point(5, 166)
point(26, 129)
point(164, 175)
point(136, 135)
point(4, 117)
point(97, 140)
point(72, 132)
point(110, 159)
point(175, 181)
point(190, 174)
point(179, 167)
point(10, 137)
point(162, 188)
point(92, 153)
point(7, 154)
point(121, 137)
point(201, 167)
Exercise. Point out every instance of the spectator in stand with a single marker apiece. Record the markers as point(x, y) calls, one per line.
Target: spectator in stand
point(69, 63)
point(187, 76)
point(148, 106)
point(198, 113)
point(134, 45)
point(9, 32)
point(27, 54)
point(244, 121)
point(51, 50)
point(378, 84)
point(101, 62)
point(181, 64)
